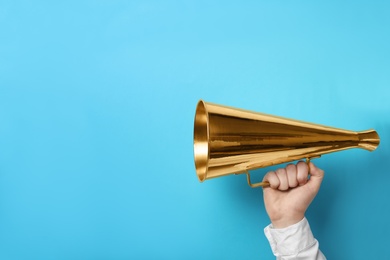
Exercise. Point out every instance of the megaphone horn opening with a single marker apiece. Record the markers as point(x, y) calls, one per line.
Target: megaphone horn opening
point(201, 143)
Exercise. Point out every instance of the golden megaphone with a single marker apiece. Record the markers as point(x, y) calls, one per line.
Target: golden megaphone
point(231, 141)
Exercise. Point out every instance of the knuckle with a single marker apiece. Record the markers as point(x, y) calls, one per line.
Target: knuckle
point(290, 167)
point(281, 171)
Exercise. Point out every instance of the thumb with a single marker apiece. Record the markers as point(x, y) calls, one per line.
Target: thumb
point(316, 177)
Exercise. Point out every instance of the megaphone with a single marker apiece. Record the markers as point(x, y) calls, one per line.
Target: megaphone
point(229, 140)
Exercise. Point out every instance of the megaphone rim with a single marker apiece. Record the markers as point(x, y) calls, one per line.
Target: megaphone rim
point(201, 140)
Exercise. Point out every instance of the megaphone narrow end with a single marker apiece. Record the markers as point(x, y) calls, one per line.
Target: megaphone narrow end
point(369, 140)
point(201, 142)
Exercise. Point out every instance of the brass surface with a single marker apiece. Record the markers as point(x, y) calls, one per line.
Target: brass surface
point(231, 141)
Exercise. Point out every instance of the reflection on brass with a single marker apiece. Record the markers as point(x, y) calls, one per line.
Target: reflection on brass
point(231, 141)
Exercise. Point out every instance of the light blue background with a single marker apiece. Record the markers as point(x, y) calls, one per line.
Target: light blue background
point(97, 100)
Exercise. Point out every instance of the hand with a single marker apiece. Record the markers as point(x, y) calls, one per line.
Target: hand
point(291, 192)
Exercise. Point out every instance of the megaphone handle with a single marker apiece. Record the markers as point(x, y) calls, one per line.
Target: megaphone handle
point(255, 185)
point(308, 160)
point(308, 163)
point(266, 183)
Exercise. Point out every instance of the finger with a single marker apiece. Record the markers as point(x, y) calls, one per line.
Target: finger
point(302, 173)
point(282, 175)
point(272, 179)
point(291, 170)
point(316, 177)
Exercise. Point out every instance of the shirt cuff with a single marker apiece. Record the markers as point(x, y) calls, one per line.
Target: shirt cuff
point(290, 240)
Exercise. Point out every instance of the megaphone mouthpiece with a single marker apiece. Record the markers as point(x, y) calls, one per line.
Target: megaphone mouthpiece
point(369, 140)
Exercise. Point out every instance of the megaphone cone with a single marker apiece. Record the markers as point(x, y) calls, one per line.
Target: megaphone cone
point(230, 141)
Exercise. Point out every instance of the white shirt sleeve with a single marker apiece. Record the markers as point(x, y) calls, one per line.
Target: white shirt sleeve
point(294, 242)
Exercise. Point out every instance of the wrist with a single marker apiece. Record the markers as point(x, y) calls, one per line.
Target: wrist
point(286, 221)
